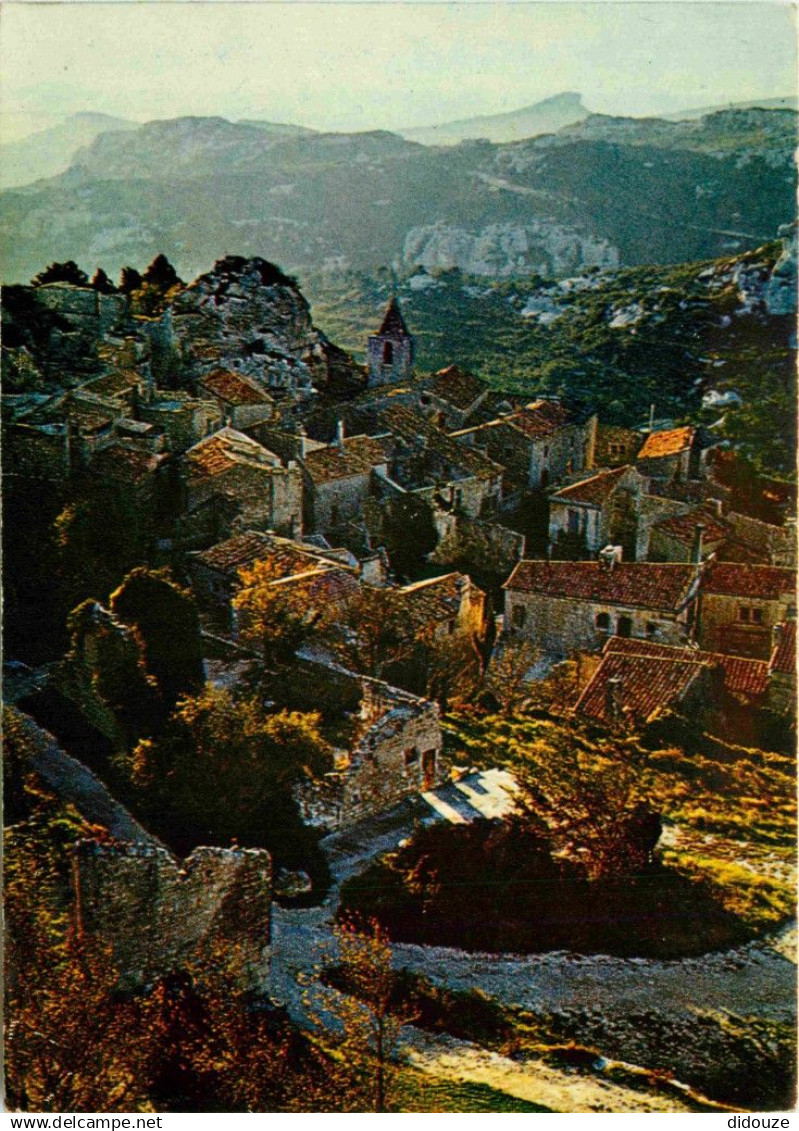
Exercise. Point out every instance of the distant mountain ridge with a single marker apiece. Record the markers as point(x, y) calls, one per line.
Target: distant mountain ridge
point(598, 192)
point(48, 152)
point(529, 121)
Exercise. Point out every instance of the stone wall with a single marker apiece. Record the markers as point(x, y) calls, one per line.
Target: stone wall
point(561, 626)
point(332, 504)
point(159, 913)
point(268, 498)
point(486, 547)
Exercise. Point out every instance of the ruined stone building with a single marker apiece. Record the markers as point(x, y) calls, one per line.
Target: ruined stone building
point(564, 607)
point(388, 746)
point(391, 350)
point(444, 606)
point(782, 670)
point(263, 493)
point(159, 913)
point(595, 512)
point(740, 605)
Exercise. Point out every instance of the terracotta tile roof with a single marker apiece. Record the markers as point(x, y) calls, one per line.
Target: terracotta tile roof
point(682, 527)
point(735, 579)
point(592, 492)
point(232, 387)
point(668, 443)
point(647, 585)
point(457, 387)
point(357, 456)
point(742, 677)
point(410, 425)
point(434, 600)
point(223, 450)
point(125, 463)
point(648, 685)
point(393, 323)
point(783, 658)
point(242, 550)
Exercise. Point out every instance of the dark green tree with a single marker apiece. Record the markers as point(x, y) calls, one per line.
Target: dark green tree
point(166, 621)
point(102, 283)
point(68, 272)
point(129, 280)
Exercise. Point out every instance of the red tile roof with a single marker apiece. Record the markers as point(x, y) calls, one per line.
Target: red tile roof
point(409, 425)
point(742, 677)
point(647, 585)
point(647, 685)
point(357, 456)
point(735, 579)
point(393, 323)
point(232, 387)
point(669, 443)
point(783, 658)
point(457, 387)
point(594, 491)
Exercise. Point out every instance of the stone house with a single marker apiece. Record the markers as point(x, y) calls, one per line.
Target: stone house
point(537, 445)
point(615, 446)
point(595, 512)
point(564, 607)
point(184, 419)
point(265, 493)
point(214, 572)
point(668, 454)
point(388, 745)
point(427, 461)
point(740, 605)
point(242, 400)
point(338, 480)
point(447, 605)
point(139, 473)
point(451, 397)
point(391, 350)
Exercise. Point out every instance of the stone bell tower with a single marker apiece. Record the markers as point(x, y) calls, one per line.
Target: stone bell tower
point(390, 350)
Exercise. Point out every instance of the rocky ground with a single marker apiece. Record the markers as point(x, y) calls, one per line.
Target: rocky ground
point(652, 1013)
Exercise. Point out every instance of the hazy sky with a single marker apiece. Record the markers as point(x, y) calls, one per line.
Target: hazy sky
point(352, 66)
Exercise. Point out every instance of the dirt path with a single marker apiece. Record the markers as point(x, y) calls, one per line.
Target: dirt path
point(756, 980)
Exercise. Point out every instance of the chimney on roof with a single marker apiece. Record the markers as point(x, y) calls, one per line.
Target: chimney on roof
point(651, 418)
point(613, 697)
point(777, 633)
point(339, 434)
point(303, 441)
point(610, 555)
point(696, 547)
point(717, 507)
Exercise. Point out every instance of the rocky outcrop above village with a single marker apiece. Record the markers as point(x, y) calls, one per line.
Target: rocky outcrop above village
point(248, 316)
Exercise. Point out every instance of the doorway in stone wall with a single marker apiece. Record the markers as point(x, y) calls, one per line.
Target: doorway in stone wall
point(428, 769)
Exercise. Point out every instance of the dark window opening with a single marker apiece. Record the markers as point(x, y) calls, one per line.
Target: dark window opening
point(519, 614)
point(624, 626)
point(603, 622)
point(388, 353)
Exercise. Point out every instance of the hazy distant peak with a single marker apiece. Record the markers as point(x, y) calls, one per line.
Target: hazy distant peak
point(547, 116)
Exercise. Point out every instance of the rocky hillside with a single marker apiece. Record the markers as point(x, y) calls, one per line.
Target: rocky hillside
point(713, 340)
point(48, 152)
point(602, 192)
point(244, 314)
